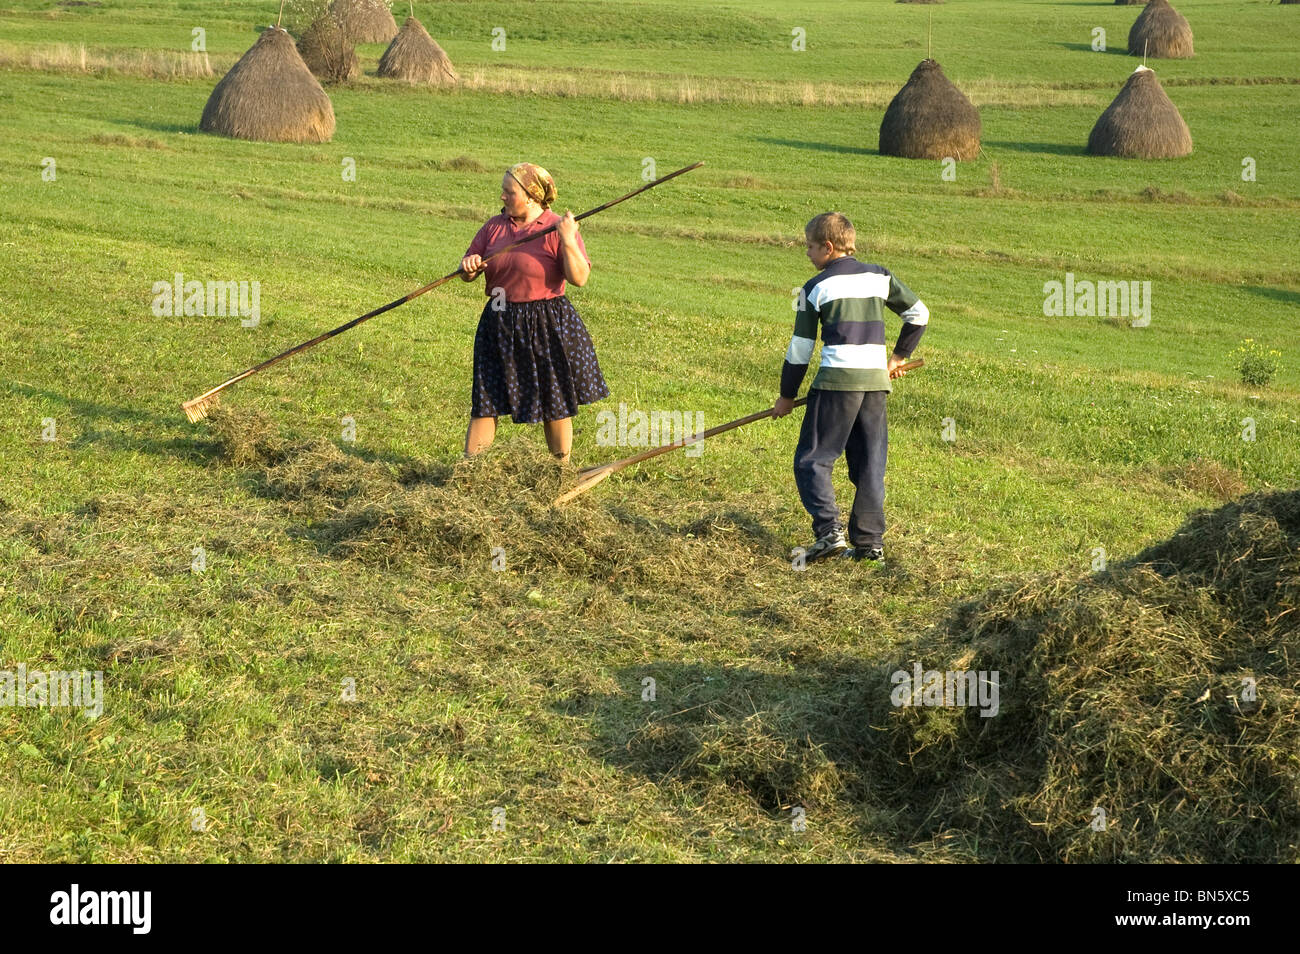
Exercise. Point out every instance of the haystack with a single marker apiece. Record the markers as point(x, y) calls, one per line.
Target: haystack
point(1141, 123)
point(1160, 31)
point(416, 57)
point(270, 95)
point(327, 52)
point(930, 118)
point(365, 21)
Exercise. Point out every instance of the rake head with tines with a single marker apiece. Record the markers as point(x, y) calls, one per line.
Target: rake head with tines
point(198, 408)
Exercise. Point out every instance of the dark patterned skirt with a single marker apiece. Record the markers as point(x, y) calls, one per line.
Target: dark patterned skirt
point(534, 361)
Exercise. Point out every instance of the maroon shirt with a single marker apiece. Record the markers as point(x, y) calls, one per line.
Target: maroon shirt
point(529, 273)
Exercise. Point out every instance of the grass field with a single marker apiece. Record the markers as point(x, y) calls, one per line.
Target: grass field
point(478, 689)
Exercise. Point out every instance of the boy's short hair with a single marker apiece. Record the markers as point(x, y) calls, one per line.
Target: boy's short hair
point(833, 227)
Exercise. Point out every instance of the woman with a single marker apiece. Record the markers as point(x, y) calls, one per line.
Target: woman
point(533, 358)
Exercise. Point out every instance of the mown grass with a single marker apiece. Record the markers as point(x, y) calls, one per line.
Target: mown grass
point(521, 689)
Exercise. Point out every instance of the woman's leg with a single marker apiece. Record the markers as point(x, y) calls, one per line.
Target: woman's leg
point(559, 437)
point(480, 434)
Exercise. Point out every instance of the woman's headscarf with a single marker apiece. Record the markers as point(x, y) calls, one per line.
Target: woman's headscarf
point(535, 181)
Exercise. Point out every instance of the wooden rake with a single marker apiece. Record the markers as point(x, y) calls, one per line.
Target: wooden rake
point(196, 409)
point(589, 477)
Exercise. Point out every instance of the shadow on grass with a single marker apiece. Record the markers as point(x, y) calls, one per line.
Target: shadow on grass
point(818, 146)
point(1280, 295)
point(155, 126)
point(811, 737)
point(1047, 148)
point(151, 433)
point(1121, 50)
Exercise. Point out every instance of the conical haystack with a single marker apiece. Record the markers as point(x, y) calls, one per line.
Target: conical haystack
point(930, 118)
point(270, 95)
point(1160, 31)
point(327, 52)
point(365, 21)
point(416, 57)
point(1141, 123)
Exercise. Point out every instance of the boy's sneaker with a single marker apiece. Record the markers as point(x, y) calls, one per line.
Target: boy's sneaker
point(827, 545)
point(870, 554)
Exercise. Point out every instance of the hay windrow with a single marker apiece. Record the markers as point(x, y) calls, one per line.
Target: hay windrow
point(450, 518)
point(745, 755)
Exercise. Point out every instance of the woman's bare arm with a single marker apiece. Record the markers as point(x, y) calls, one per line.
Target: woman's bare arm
point(576, 269)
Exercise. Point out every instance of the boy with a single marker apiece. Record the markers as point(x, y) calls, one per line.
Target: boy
point(845, 413)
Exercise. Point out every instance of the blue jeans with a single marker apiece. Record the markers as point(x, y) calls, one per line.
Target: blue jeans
point(851, 423)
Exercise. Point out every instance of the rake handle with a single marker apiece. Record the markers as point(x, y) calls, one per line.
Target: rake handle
point(328, 334)
point(712, 431)
point(656, 451)
point(428, 288)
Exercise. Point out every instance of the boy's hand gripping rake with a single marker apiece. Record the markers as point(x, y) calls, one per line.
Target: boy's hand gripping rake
point(589, 477)
point(196, 409)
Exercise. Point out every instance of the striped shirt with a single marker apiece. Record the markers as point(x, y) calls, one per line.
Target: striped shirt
point(847, 299)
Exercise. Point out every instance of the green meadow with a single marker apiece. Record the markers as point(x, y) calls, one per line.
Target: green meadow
point(322, 687)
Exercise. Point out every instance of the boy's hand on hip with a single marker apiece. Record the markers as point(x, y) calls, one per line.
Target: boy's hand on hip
point(782, 407)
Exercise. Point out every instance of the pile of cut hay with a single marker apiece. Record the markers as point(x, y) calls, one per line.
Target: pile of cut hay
point(1164, 693)
point(448, 518)
point(740, 752)
point(1161, 696)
